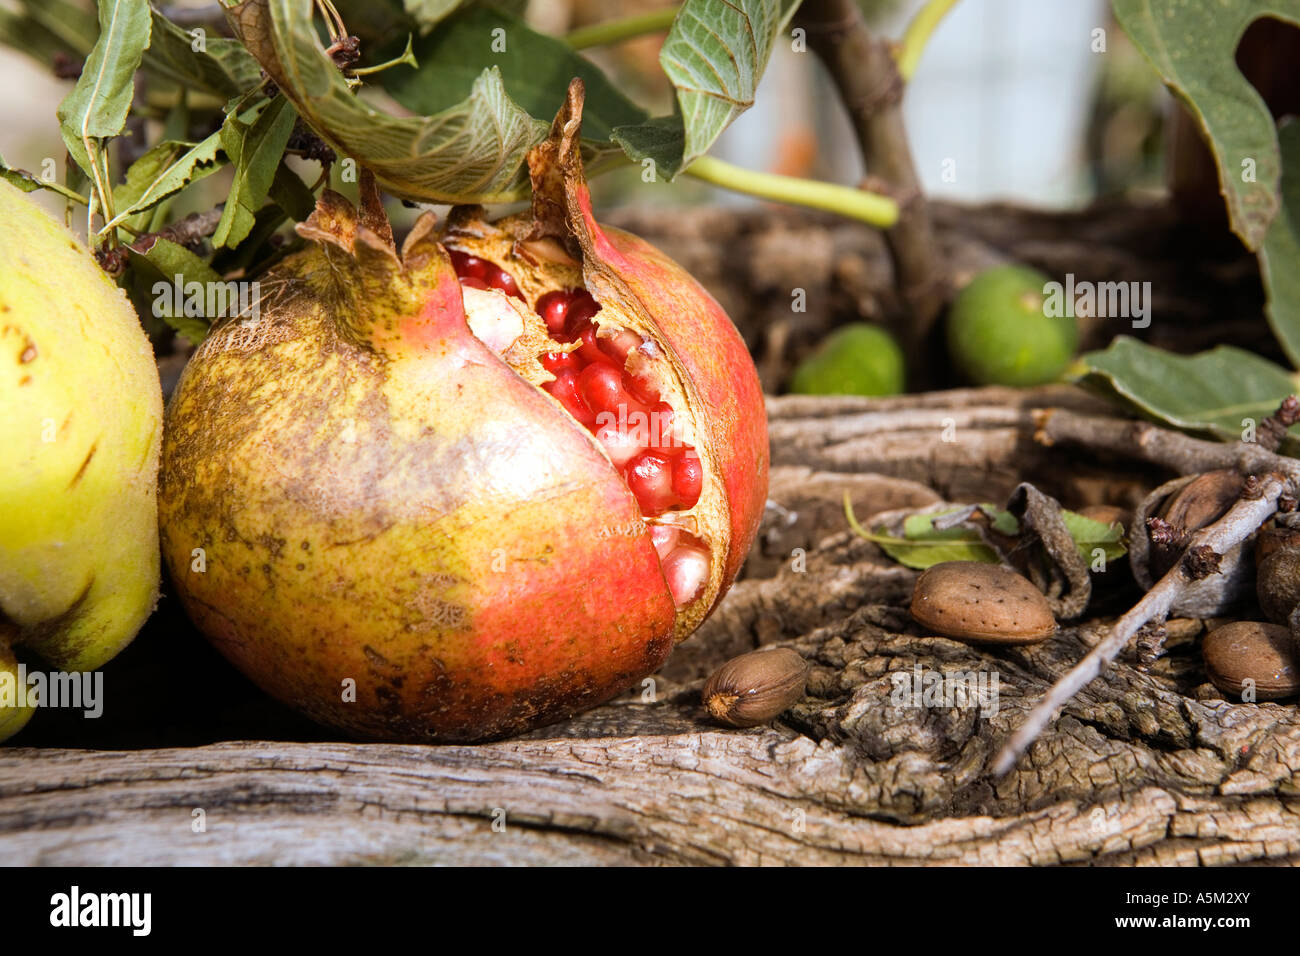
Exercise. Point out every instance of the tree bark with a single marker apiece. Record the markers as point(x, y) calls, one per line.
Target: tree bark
point(864, 72)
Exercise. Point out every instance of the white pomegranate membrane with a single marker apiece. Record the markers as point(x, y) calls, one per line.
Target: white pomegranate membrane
point(623, 411)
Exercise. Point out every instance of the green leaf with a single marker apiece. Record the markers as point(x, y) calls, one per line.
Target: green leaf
point(177, 124)
point(20, 32)
point(29, 183)
point(72, 23)
point(660, 140)
point(291, 194)
point(17, 177)
point(269, 219)
point(1212, 393)
point(1089, 535)
point(429, 13)
point(535, 68)
point(195, 163)
point(381, 25)
point(255, 151)
point(472, 152)
point(96, 108)
point(1279, 256)
point(144, 172)
point(222, 66)
point(929, 551)
point(715, 55)
point(154, 275)
point(922, 546)
point(1193, 44)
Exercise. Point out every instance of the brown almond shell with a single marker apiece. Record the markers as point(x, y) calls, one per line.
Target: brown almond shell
point(982, 603)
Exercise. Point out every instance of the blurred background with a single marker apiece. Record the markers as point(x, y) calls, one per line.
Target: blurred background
point(1044, 104)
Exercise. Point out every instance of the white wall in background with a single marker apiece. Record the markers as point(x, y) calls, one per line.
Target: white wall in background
point(1002, 91)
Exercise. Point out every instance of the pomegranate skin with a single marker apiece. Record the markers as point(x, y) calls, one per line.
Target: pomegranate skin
point(723, 376)
point(412, 517)
point(371, 506)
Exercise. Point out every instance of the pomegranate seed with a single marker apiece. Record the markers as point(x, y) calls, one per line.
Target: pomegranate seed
point(686, 569)
point(688, 478)
point(621, 442)
point(565, 390)
point(602, 387)
point(582, 307)
point(641, 388)
point(664, 538)
point(650, 478)
point(663, 435)
point(554, 362)
point(500, 279)
point(553, 307)
point(471, 282)
point(590, 349)
point(619, 345)
point(468, 266)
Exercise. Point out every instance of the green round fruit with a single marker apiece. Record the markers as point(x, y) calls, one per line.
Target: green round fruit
point(858, 359)
point(999, 333)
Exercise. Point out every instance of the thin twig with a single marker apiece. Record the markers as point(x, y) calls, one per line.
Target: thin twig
point(866, 75)
point(616, 31)
point(1159, 446)
point(869, 207)
point(1241, 521)
point(189, 232)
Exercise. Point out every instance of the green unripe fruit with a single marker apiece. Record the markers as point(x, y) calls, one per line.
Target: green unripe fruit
point(998, 333)
point(858, 359)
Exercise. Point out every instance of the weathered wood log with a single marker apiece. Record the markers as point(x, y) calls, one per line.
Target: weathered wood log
point(1139, 768)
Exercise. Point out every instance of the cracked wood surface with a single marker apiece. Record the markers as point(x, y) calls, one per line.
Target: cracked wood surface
point(1140, 768)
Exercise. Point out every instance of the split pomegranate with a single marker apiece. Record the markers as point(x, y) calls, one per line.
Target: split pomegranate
point(462, 490)
point(594, 385)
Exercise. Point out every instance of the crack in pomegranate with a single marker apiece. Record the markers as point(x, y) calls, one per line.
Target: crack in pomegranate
point(623, 411)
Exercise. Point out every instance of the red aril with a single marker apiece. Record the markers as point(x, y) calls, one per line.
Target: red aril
point(620, 441)
point(559, 361)
point(688, 479)
point(553, 307)
point(590, 348)
point(602, 387)
point(619, 344)
point(641, 388)
point(471, 267)
point(500, 279)
point(663, 433)
point(686, 569)
point(650, 477)
point(582, 308)
point(565, 390)
point(664, 537)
